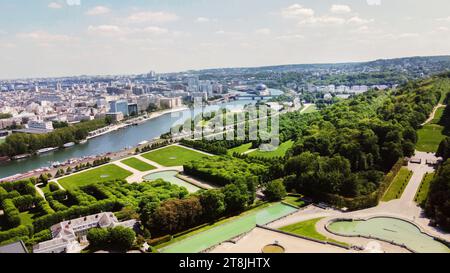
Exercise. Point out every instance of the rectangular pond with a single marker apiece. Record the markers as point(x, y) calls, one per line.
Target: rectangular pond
point(226, 231)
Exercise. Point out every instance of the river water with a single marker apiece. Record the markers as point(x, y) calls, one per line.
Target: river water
point(117, 140)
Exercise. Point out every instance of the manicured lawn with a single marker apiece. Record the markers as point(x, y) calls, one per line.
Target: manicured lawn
point(138, 164)
point(398, 185)
point(294, 200)
point(173, 156)
point(308, 229)
point(430, 136)
point(438, 115)
point(279, 152)
point(422, 192)
point(2, 140)
point(101, 174)
point(240, 149)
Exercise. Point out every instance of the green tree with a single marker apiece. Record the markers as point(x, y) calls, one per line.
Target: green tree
point(122, 238)
point(98, 237)
point(275, 190)
point(213, 204)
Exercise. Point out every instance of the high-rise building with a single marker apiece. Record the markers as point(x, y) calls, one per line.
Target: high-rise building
point(119, 106)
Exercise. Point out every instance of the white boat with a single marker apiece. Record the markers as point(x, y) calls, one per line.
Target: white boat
point(21, 156)
point(143, 142)
point(70, 144)
point(46, 150)
point(56, 164)
point(83, 141)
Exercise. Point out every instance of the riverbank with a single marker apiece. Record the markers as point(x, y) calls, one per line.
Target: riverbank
point(120, 141)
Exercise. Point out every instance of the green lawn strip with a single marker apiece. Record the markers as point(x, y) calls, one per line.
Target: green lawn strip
point(438, 115)
point(310, 109)
point(308, 229)
point(202, 228)
point(422, 192)
point(241, 149)
point(279, 152)
point(101, 174)
point(294, 201)
point(2, 140)
point(429, 137)
point(138, 164)
point(173, 156)
point(397, 186)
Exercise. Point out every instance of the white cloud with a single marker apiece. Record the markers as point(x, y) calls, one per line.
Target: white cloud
point(290, 37)
point(106, 30)
point(45, 36)
point(340, 9)
point(297, 11)
point(7, 45)
point(117, 31)
point(323, 20)
point(98, 10)
point(442, 28)
point(263, 31)
point(73, 2)
point(359, 21)
point(408, 35)
point(54, 5)
point(220, 32)
point(446, 19)
point(373, 2)
point(202, 20)
point(152, 17)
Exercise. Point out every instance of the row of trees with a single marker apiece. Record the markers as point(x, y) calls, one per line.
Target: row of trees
point(437, 205)
point(17, 144)
point(175, 215)
point(223, 170)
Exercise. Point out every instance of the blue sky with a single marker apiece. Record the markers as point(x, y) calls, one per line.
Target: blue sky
point(73, 37)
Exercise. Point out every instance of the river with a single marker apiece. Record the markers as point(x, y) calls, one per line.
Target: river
point(117, 140)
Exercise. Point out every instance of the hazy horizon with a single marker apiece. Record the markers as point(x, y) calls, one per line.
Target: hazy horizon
point(218, 68)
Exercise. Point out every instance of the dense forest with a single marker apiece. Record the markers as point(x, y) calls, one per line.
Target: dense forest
point(21, 143)
point(343, 151)
point(437, 205)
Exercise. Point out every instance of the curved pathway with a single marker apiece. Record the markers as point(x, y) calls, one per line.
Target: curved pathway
point(433, 114)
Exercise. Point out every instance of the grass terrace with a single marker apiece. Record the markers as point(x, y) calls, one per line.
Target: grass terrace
point(101, 174)
point(279, 152)
point(431, 134)
point(308, 229)
point(240, 149)
point(397, 187)
point(294, 200)
point(422, 192)
point(138, 164)
point(173, 156)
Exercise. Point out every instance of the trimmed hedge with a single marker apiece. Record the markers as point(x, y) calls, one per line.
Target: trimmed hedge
point(47, 221)
point(11, 213)
point(19, 231)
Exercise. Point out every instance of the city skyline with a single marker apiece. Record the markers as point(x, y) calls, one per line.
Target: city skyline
point(61, 38)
